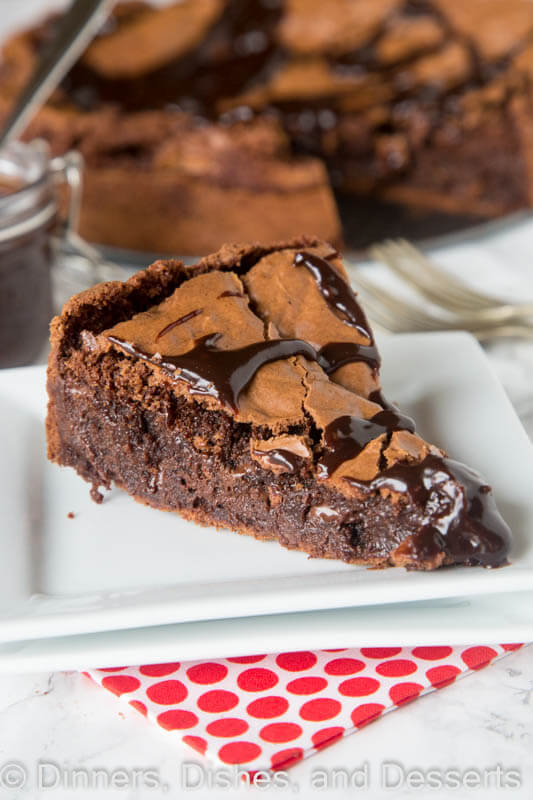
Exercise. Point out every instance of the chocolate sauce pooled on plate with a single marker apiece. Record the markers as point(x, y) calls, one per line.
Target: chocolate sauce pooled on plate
point(335, 291)
point(280, 457)
point(180, 321)
point(460, 515)
point(223, 374)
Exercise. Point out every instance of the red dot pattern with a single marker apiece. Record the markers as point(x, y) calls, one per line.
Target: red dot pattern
point(270, 711)
point(239, 752)
point(158, 670)
point(177, 719)
point(217, 700)
point(245, 659)
point(380, 652)
point(268, 707)
point(443, 675)
point(344, 666)
point(138, 705)
point(432, 653)
point(326, 736)
point(121, 684)
point(396, 668)
point(196, 742)
point(284, 759)
point(365, 713)
point(166, 693)
point(308, 685)
point(207, 673)
point(402, 693)
point(257, 679)
point(359, 687)
point(478, 657)
point(227, 727)
point(280, 732)
point(295, 662)
point(320, 709)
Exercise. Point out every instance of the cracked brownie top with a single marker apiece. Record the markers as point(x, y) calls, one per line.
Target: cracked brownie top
point(275, 338)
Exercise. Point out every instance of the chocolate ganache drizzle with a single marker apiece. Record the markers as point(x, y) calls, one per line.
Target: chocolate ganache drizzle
point(455, 508)
point(347, 436)
point(180, 321)
point(223, 374)
point(460, 515)
point(340, 297)
point(335, 291)
point(335, 355)
point(279, 457)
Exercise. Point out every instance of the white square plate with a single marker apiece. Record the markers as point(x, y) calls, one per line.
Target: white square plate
point(471, 620)
point(123, 565)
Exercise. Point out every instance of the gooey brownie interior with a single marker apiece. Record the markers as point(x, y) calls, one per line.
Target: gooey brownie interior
point(244, 392)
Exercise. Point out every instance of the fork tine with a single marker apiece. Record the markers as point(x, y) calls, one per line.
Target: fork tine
point(384, 317)
point(455, 289)
point(445, 291)
point(390, 254)
point(399, 309)
point(414, 267)
point(465, 297)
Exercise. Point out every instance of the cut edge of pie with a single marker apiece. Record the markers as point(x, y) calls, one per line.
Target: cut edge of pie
point(243, 392)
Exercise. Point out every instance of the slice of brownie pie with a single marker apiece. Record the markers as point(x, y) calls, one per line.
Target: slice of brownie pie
point(244, 392)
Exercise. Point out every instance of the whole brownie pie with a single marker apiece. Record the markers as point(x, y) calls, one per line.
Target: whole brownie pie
point(209, 120)
point(244, 392)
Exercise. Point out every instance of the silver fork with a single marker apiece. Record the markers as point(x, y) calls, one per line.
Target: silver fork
point(398, 315)
point(446, 291)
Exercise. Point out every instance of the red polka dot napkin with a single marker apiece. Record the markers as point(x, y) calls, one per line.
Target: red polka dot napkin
point(270, 711)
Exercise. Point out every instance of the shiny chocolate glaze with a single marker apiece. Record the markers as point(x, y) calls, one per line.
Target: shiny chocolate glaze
point(223, 374)
point(460, 515)
point(391, 415)
point(177, 322)
point(335, 355)
point(336, 292)
point(279, 457)
point(347, 436)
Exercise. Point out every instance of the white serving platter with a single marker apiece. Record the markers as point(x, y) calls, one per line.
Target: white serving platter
point(122, 565)
point(503, 618)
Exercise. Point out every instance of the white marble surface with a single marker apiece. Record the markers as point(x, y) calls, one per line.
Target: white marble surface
point(483, 721)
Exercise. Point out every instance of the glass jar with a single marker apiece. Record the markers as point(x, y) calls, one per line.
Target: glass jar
point(31, 227)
